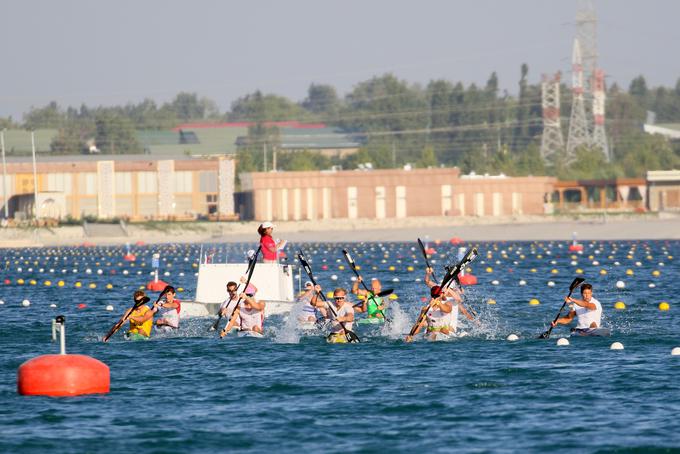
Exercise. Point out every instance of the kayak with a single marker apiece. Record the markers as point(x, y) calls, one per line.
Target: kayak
point(371, 321)
point(337, 339)
point(438, 336)
point(136, 337)
point(250, 334)
point(593, 332)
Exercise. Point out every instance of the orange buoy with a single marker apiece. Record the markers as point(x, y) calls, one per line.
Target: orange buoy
point(575, 247)
point(129, 257)
point(88, 244)
point(455, 240)
point(156, 286)
point(63, 375)
point(139, 243)
point(467, 279)
point(430, 251)
point(282, 255)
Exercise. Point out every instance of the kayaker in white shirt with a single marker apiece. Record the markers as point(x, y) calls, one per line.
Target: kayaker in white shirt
point(587, 310)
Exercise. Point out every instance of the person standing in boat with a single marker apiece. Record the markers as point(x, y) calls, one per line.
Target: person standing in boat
point(372, 304)
point(169, 311)
point(587, 310)
point(270, 248)
point(248, 315)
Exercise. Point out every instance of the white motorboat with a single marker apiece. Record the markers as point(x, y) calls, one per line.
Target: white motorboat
point(274, 282)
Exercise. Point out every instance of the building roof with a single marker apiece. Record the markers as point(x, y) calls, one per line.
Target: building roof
point(669, 130)
point(321, 138)
point(18, 141)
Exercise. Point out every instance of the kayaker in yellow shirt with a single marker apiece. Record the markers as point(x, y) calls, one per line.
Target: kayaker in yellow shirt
point(141, 318)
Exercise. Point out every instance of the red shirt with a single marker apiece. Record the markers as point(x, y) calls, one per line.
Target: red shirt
point(266, 241)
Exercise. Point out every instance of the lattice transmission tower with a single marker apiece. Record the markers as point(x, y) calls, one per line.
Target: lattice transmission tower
point(599, 139)
point(579, 133)
point(552, 142)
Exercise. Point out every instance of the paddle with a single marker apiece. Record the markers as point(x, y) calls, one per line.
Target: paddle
point(427, 262)
point(451, 274)
point(370, 294)
point(251, 264)
point(127, 314)
point(250, 275)
point(578, 281)
point(350, 335)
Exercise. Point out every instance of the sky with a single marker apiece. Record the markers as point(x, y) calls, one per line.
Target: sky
point(122, 51)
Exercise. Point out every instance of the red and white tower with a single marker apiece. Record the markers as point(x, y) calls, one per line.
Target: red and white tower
point(599, 97)
point(578, 123)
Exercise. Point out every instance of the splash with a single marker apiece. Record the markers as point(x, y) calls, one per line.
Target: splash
point(399, 323)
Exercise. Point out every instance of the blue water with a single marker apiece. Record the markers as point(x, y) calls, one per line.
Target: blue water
point(191, 392)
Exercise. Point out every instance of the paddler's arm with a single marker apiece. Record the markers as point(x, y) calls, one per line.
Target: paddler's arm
point(257, 305)
point(355, 287)
point(443, 306)
point(582, 303)
point(465, 312)
point(565, 320)
point(232, 322)
point(429, 282)
point(146, 316)
point(455, 294)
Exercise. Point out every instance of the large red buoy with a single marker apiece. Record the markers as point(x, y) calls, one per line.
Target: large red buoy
point(575, 247)
point(156, 285)
point(62, 375)
point(455, 241)
point(467, 279)
point(129, 257)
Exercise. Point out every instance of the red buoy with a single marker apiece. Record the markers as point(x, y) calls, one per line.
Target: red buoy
point(467, 279)
point(282, 255)
point(139, 243)
point(430, 251)
point(129, 257)
point(575, 247)
point(63, 375)
point(156, 286)
point(455, 241)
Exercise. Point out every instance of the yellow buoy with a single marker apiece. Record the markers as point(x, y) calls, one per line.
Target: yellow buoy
point(48, 283)
point(393, 296)
point(32, 282)
point(491, 301)
point(489, 269)
point(554, 271)
point(629, 272)
point(92, 285)
point(109, 286)
point(534, 302)
point(579, 271)
point(341, 267)
point(664, 306)
point(61, 284)
point(603, 272)
point(409, 268)
point(391, 268)
point(180, 289)
point(361, 297)
point(619, 305)
point(78, 284)
point(358, 267)
point(656, 273)
point(533, 270)
point(20, 281)
point(329, 294)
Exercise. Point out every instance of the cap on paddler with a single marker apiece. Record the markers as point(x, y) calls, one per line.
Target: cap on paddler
point(435, 291)
point(308, 284)
point(267, 225)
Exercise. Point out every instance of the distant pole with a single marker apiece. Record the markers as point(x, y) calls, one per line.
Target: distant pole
point(264, 155)
point(4, 173)
point(394, 155)
point(35, 177)
point(274, 158)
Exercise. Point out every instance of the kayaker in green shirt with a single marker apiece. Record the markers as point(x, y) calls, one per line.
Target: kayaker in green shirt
point(373, 305)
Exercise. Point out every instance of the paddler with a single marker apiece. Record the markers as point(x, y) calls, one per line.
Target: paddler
point(248, 315)
point(587, 310)
point(169, 311)
point(341, 315)
point(441, 316)
point(308, 309)
point(449, 292)
point(141, 319)
point(372, 304)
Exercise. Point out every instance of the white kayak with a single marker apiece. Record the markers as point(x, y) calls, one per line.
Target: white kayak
point(438, 336)
point(249, 334)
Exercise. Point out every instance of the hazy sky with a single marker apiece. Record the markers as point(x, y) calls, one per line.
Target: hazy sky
point(119, 51)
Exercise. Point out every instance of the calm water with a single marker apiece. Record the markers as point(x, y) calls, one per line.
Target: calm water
point(287, 393)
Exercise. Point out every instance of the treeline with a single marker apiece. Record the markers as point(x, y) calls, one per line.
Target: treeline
point(478, 128)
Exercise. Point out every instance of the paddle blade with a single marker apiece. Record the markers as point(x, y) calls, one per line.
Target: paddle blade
point(576, 282)
point(352, 337)
point(385, 292)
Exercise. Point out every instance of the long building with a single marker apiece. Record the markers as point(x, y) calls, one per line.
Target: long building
point(385, 194)
point(132, 187)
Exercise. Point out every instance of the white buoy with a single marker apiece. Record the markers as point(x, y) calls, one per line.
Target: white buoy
point(109, 308)
point(334, 277)
point(100, 272)
point(181, 274)
point(652, 285)
point(551, 284)
point(167, 273)
point(1, 302)
point(675, 351)
point(53, 305)
point(617, 346)
point(573, 263)
point(513, 337)
point(522, 282)
point(595, 263)
point(396, 279)
point(353, 278)
point(620, 284)
point(25, 303)
point(562, 341)
point(495, 282)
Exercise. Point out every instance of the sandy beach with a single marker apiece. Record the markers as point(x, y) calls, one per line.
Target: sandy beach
point(525, 228)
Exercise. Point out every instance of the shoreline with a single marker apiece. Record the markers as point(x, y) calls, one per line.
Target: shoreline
point(521, 228)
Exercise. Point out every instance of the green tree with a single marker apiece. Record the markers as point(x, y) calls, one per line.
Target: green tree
point(322, 100)
point(188, 106)
point(50, 116)
point(115, 134)
point(428, 158)
point(257, 107)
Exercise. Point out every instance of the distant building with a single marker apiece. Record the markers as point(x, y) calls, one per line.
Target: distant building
point(663, 188)
point(670, 131)
point(388, 194)
point(124, 186)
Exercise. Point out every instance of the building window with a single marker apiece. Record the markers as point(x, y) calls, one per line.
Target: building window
point(147, 182)
point(208, 181)
point(211, 200)
point(124, 182)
